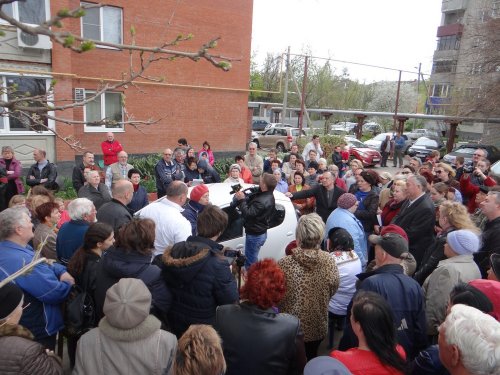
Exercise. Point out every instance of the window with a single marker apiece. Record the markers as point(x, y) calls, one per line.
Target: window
point(450, 42)
point(18, 86)
point(441, 90)
point(32, 12)
point(107, 106)
point(234, 227)
point(445, 66)
point(104, 24)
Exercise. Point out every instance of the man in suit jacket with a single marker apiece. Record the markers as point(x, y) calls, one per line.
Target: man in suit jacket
point(326, 195)
point(417, 217)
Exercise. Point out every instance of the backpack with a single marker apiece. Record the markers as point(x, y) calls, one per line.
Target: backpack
point(79, 314)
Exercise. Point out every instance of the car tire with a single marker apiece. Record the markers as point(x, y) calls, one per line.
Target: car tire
point(280, 147)
point(256, 141)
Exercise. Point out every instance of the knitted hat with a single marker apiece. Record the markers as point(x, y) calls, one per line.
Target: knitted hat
point(463, 241)
point(392, 243)
point(495, 264)
point(346, 201)
point(197, 192)
point(340, 239)
point(324, 365)
point(234, 166)
point(393, 228)
point(127, 303)
point(10, 297)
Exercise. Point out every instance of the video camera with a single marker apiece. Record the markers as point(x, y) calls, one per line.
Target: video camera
point(236, 256)
point(468, 167)
point(237, 187)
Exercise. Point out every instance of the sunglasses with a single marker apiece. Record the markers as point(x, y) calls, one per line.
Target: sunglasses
point(439, 172)
point(406, 172)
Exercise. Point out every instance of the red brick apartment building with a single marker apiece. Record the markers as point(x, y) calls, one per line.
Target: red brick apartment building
point(195, 100)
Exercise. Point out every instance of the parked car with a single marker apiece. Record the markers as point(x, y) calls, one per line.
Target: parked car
point(279, 124)
point(259, 125)
point(282, 225)
point(358, 150)
point(278, 137)
point(376, 141)
point(417, 133)
point(423, 146)
point(342, 128)
point(495, 168)
point(372, 128)
point(468, 149)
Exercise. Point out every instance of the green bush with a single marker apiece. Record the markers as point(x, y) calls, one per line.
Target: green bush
point(66, 189)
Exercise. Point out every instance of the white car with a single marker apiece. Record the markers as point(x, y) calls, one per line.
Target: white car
point(279, 124)
point(279, 235)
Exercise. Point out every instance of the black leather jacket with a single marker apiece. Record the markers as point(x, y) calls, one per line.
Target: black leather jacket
point(257, 211)
point(49, 172)
point(258, 341)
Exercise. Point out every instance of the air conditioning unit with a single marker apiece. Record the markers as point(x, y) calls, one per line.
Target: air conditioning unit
point(79, 94)
point(26, 40)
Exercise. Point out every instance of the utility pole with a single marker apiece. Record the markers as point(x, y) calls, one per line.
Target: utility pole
point(397, 101)
point(303, 99)
point(285, 90)
point(418, 92)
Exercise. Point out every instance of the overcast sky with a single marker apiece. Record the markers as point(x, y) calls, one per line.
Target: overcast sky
point(390, 33)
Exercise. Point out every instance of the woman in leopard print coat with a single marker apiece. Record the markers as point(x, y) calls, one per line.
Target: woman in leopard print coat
point(312, 278)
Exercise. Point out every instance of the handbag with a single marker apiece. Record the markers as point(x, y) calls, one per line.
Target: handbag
point(80, 312)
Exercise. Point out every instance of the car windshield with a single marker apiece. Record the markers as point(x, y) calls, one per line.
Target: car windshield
point(295, 132)
point(426, 142)
point(355, 143)
point(465, 150)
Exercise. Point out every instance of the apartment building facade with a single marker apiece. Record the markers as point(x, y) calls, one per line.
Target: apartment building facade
point(462, 66)
point(188, 99)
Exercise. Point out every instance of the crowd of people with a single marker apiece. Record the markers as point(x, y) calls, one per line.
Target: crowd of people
point(405, 267)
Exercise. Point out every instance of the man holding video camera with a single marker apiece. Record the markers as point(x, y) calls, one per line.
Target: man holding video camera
point(256, 209)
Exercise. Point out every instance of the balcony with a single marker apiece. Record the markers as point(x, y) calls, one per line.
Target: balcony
point(453, 5)
point(447, 30)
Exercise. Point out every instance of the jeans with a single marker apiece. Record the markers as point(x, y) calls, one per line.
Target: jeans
point(398, 155)
point(253, 243)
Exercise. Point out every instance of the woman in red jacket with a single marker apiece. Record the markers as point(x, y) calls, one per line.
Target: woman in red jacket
point(378, 352)
point(393, 206)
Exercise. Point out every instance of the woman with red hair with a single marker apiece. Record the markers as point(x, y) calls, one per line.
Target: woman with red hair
point(257, 339)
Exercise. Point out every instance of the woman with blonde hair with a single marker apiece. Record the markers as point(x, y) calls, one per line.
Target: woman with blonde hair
point(350, 175)
point(312, 278)
point(199, 352)
point(452, 216)
point(393, 206)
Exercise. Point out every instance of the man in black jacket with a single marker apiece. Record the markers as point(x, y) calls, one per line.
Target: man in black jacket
point(417, 217)
point(116, 213)
point(491, 235)
point(257, 211)
point(43, 172)
point(326, 195)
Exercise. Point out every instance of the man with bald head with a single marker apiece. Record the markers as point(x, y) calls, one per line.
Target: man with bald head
point(118, 171)
point(167, 171)
point(116, 213)
point(110, 149)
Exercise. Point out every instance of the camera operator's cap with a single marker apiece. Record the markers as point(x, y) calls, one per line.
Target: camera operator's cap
point(197, 192)
point(235, 166)
point(392, 243)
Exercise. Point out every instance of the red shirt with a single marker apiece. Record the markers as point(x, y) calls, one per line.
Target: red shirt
point(110, 151)
point(365, 362)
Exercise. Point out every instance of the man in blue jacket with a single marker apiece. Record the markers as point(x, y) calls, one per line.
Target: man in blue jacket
point(399, 147)
point(404, 295)
point(45, 287)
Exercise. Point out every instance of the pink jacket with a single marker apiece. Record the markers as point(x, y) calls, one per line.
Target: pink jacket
point(15, 165)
